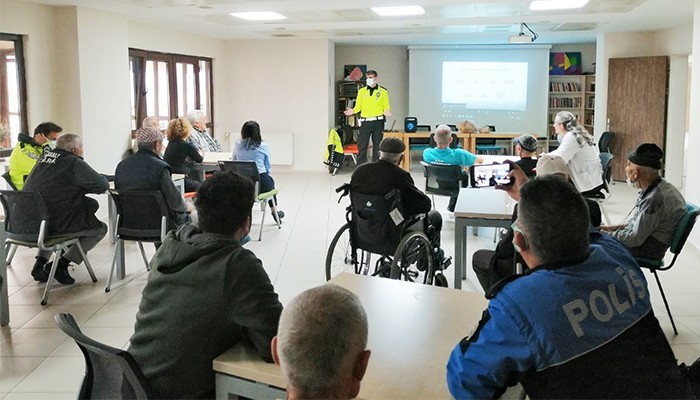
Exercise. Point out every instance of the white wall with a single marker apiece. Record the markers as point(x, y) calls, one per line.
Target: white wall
point(284, 85)
point(391, 64)
point(692, 190)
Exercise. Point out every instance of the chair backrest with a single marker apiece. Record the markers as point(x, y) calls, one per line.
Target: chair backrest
point(8, 179)
point(25, 212)
point(110, 373)
point(442, 179)
point(605, 163)
point(604, 142)
point(684, 228)
point(453, 145)
point(422, 128)
point(245, 168)
point(372, 228)
point(141, 214)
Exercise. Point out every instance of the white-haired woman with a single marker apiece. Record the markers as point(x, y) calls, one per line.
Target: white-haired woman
point(577, 148)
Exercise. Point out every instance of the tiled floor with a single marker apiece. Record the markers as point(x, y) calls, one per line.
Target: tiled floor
point(37, 361)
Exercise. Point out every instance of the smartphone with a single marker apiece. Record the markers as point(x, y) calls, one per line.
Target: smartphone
point(485, 175)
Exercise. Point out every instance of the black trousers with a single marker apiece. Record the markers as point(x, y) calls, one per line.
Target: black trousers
point(367, 129)
point(267, 184)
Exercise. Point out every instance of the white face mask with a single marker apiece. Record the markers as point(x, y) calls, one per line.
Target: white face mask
point(52, 144)
point(370, 81)
point(560, 138)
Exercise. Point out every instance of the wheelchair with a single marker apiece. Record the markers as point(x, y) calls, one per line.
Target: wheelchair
point(376, 241)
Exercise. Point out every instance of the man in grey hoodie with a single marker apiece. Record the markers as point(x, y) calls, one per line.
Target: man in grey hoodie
point(205, 293)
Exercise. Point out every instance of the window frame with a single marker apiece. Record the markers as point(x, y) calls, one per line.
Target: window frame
point(21, 84)
point(171, 59)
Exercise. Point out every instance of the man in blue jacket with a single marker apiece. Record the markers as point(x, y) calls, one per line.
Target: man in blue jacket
point(578, 324)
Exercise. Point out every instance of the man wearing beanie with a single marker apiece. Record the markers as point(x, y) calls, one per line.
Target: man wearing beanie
point(659, 209)
point(525, 148)
point(146, 170)
point(381, 177)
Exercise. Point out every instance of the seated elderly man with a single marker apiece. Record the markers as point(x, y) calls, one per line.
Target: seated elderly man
point(579, 324)
point(199, 135)
point(321, 344)
point(443, 154)
point(525, 148)
point(205, 293)
point(146, 170)
point(659, 209)
point(63, 179)
point(491, 266)
point(381, 177)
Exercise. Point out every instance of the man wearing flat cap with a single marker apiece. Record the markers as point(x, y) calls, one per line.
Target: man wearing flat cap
point(381, 177)
point(146, 170)
point(659, 209)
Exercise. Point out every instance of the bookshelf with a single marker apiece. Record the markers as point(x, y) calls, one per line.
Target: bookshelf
point(589, 103)
point(346, 96)
point(566, 93)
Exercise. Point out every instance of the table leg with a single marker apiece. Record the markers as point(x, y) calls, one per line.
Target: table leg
point(407, 154)
point(4, 294)
point(460, 251)
point(112, 219)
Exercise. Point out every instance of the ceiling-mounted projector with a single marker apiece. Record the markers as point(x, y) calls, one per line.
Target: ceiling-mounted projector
point(522, 37)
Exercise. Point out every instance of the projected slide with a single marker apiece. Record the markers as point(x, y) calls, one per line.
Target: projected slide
point(485, 85)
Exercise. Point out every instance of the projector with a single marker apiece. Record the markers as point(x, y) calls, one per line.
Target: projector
point(520, 38)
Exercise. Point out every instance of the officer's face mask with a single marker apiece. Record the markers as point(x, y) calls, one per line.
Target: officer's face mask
point(370, 81)
point(52, 144)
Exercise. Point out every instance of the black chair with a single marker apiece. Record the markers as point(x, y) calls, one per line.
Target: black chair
point(604, 193)
point(679, 239)
point(26, 224)
point(249, 169)
point(422, 128)
point(604, 142)
point(10, 249)
point(420, 143)
point(142, 216)
point(488, 146)
point(110, 373)
point(453, 145)
point(442, 179)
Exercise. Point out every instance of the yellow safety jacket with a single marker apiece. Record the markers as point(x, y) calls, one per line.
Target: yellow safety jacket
point(25, 154)
point(372, 105)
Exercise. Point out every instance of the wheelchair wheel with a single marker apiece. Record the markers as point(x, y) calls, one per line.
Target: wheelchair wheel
point(440, 280)
point(340, 259)
point(413, 260)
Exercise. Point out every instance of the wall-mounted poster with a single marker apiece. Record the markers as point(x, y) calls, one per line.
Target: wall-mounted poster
point(568, 63)
point(355, 72)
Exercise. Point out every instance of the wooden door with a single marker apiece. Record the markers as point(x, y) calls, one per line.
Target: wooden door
point(637, 98)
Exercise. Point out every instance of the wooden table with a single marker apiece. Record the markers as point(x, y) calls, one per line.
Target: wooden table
point(477, 207)
point(211, 162)
point(471, 146)
point(412, 330)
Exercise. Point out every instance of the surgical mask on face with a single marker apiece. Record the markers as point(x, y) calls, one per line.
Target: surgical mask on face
point(560, 138)
point(245, 239)
point(52, 144)
point(516, 229)
point(370, 81)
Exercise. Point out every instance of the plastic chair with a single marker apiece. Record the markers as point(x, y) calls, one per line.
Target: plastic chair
point(249, 169)
point(679, 239)
point(10, 249)
point(110, 373)
point(420, 143)
point(142, 216)
point(442, 179)
point(26, 224)
point(604, 142)
point(604, 193)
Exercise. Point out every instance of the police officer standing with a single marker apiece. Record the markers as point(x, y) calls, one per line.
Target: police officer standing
point(373, 105)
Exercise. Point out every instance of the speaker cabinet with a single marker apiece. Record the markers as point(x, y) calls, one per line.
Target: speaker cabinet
point(410, 124)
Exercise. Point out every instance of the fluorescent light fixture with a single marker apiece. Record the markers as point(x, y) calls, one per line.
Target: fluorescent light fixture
point(541, 5)
point(398, 11)
point(259, 16)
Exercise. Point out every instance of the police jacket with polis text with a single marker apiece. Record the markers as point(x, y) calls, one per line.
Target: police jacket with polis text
point(582, 329)
point(63, 179)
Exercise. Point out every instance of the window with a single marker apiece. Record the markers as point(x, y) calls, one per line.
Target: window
point(13, 92)
point(168, 86)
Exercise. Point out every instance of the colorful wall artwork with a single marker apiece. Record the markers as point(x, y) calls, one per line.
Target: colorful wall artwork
point(355, 73)
point(568, 63)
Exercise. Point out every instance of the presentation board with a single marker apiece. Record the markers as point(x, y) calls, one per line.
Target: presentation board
point(503, 86)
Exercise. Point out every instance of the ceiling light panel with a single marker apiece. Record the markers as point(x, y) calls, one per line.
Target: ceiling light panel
point(259, 16)
point(398, 11)
point(545, 5)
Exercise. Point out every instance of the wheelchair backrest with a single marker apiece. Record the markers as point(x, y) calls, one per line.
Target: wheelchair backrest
point(372, 228)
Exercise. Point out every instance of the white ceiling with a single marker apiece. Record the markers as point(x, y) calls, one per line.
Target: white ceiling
point(445, 21)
